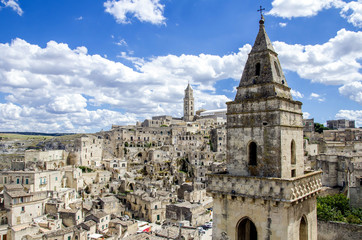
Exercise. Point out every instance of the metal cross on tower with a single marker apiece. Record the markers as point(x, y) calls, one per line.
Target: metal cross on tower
point(261, 11)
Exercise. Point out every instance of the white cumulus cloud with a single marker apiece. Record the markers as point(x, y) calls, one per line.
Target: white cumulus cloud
point(336, 62)
point(144, 10)
point(353, 91)
point(54, 87)
point(121, 42)
point(67, 103)
point(316, 96)
point(282, 24)
point(306, 115)
point(297, 8)
point(296, 93)
point(351, 115)
point(352, 10)
point(13, 4)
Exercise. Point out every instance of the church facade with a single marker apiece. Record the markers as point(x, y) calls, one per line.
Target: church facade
point(265, 193)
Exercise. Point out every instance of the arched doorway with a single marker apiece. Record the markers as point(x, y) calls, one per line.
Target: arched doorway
point(246, 230)
point(303, 229)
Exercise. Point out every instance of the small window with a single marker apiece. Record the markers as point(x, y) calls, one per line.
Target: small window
point(23, 209)
point(257, 69)
point(252, 154)
point(277, 69)
point(292, 153)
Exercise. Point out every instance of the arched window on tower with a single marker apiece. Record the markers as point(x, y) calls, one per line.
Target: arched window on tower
point(257, 69)
point(252, 154)
point(277, 68)
point(293, 159)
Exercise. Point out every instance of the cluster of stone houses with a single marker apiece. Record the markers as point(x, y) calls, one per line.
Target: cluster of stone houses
point(154, 171)
point(338, 153)
point(99, 185)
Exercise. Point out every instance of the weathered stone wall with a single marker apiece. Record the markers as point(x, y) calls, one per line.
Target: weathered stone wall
point(272, 220)
point(272, 124)
point(340, 231)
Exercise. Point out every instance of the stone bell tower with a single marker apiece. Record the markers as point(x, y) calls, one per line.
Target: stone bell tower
point(265, 193)
point(189, 104)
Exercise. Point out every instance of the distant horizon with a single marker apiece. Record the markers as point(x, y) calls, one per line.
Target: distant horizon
point(75, 66)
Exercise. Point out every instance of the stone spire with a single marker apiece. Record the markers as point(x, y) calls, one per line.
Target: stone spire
point(262, 41)
point(262, 75)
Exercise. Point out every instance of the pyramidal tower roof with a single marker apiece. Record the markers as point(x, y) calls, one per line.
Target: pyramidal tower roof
point(188, 87)
point(262, 41)
point(262, 76)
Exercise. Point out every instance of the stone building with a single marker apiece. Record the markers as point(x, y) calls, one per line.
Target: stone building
point(51, 159)
point(71, 217)
point(149, 206)
point(218, 139)
point(88, 150)
point(189, 104)
point(341, 123)
point(343, 135)
point(265, 193)
point(354, 179)
point(101, 218)
point(308, 125)
point(22, 206)
point(192, 212)
point(33, 180)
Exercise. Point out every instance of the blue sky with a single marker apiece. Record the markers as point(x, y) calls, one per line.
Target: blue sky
point(81, 66)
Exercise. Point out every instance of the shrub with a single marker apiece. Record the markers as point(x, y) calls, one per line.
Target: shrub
point(337, 208)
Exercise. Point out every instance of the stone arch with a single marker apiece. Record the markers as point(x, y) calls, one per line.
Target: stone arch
point(252, 154)
point(246, 229)
point(303, 228)
point(293, 157)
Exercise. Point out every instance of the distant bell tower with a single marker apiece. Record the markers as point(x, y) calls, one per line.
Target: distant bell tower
point(265, 193)
point(189, 104)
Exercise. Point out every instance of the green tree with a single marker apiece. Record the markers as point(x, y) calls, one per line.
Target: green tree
point(318, 127)
point(337, 208)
